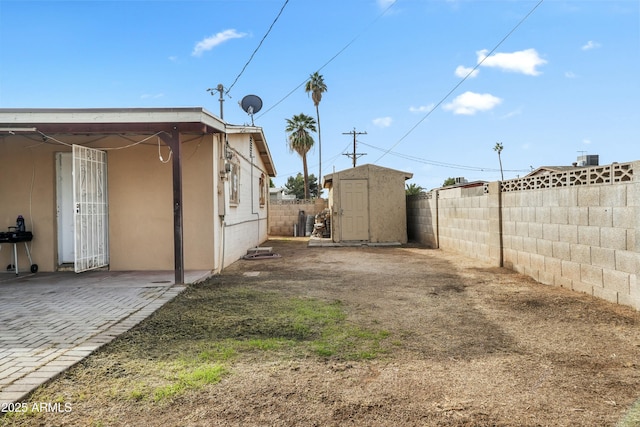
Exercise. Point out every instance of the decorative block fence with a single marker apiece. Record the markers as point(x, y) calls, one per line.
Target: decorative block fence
point(283, 214)
point(576, 229)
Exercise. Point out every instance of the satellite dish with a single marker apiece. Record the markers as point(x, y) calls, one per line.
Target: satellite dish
point(251, 104)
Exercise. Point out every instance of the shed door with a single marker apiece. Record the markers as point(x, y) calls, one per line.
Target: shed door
point(354, 202)
point(90, 208)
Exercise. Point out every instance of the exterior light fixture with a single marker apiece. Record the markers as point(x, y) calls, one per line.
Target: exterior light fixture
point(14, 130)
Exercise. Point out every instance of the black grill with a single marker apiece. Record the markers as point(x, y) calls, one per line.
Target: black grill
point(15, 236)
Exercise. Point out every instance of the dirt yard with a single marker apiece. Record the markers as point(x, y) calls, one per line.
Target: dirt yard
point(466, 345)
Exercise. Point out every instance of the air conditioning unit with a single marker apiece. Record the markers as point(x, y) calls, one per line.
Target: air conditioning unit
point(588, 160)
point(460, 180)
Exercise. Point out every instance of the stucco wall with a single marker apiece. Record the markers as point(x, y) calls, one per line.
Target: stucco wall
point(141, 206)
point(27, 188)
point(575, 230)
point(387, 206)
point(140, 188)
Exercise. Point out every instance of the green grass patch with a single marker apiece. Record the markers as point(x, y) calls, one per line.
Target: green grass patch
point(222, 324)
point(193, 342)
point(180, 378)
point(632, 417)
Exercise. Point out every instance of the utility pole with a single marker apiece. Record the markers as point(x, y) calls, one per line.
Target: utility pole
point(354, 155)
point(220, 89)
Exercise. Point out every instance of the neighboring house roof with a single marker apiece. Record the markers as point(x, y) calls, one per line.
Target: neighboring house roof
point(276, 190)
point(119, 120)
point(328, 179)
point(543, 170)
point(463, 185)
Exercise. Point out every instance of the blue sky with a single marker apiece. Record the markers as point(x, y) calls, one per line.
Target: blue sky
point(560, 83)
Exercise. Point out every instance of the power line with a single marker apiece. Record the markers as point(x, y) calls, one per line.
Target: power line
point(331, 159)
point(332, 58)
point(259, 44)
point(441, 164)
point(461, 81)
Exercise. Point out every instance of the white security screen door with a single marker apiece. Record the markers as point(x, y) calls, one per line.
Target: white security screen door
point(91, 227)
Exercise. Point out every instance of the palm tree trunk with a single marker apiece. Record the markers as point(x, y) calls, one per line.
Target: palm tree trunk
point(306, 177)
point(319, 153)
point(500, 160)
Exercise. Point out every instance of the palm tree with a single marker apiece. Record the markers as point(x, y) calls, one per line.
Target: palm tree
point(316, 86)
point(413, 189)
point(301, 141)
point(498, 149)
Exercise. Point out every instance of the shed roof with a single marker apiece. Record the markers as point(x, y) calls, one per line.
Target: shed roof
point(328, 179)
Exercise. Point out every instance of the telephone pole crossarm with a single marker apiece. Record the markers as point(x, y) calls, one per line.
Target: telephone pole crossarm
point(355, 154)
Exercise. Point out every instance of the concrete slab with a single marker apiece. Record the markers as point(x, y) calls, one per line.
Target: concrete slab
point(319, 242)
point(51, 321)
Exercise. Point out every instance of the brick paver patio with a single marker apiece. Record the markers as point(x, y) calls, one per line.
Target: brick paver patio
point(51, 321)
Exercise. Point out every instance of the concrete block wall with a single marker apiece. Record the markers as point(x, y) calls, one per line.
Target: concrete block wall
point(583, 237)
point(568, 237)
point(283, 214)
point(422, 219)
point(463, 221)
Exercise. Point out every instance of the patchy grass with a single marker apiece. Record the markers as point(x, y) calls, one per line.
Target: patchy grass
point(183, 377)
point(226, 323)
point(632, 417)
point(193, 342)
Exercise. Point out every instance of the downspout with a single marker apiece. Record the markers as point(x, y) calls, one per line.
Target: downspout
point(252, 195)
point(222, 198)
point(222, 243)
point(437, 197)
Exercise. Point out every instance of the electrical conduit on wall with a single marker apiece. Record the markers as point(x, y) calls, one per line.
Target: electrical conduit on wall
point(226, 225)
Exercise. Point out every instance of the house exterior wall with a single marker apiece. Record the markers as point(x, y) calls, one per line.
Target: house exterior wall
point(140, 193)
point(27, 188)
point(577, 230)
point(386, 201)
point(246, 222)
point(141, 212)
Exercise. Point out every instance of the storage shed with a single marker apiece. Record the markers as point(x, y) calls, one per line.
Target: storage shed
point(368, 204)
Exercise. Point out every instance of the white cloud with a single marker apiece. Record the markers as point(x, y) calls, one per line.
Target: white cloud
point(151, 96)
point(383, 4)
point(523, 61)
point(463, 71)
point(570, 75)
point(591, 45)
point(215, 40)
point(173, 58)
point(469, 103)
point(586, 141)
point(382, 122)
point(513, 113)
point(421, 109)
